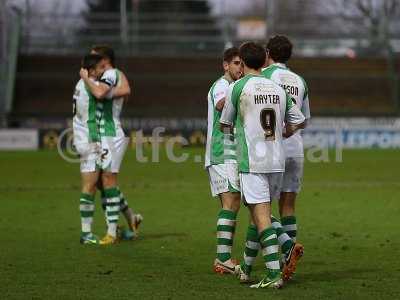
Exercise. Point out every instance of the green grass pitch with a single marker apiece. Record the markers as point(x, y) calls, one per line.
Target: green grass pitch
point(348, 213)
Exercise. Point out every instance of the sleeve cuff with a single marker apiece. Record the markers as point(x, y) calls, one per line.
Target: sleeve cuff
point(224, 122)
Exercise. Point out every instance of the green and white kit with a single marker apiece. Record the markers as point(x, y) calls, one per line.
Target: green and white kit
point(85, 129)
point(257, 107)
point(98, 135)
point(220, 158)
point(296, 87)
point(113, 140)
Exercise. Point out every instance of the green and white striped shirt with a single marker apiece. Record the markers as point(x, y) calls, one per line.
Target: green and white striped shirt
point(108, 110)
point(85, 125)
point(220, 148)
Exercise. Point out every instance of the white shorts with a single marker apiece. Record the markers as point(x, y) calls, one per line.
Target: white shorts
point(223, 178)
point(89, 154)
point(291, 182)
point(260, 187)
point(112, 153)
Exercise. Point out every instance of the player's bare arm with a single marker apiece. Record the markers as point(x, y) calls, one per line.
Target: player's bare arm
point(123, 90)
point(220, 104)
point(99, 90)
point(290, 129)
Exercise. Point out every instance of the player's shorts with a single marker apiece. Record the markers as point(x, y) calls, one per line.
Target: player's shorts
point(223, 178)
point(260, 187)
point(291, 182)
point(112, 153)
point(89, 154)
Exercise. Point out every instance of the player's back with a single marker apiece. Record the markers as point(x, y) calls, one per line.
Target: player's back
point(296, 87)
point(261, 107)
point(84, 114)
point(291, 82)
point(80, 103)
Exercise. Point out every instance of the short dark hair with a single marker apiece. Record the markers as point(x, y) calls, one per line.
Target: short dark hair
point(230, 54)
point(105, 51)
point(279, 48)
point(253, 55)
point(90, 61)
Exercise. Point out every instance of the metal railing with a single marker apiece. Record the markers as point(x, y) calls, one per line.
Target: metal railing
point(137, 32)
point(175, 33)
point(9, 55)
point(147, 34)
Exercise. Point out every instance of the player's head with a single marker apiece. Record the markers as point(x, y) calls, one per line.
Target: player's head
point(232, 63)
point(93, 63)
point(279, 49)
point(106, 51)
point(253, 55)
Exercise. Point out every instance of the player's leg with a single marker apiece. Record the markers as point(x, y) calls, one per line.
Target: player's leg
point(133, 220)
point(269, 245)
point(136, 219)
point(89, 175)
point(225, 184)
point(252, 246)
point(292, 251)
point(276, 182)
point(100, 188)
point(287, 212)
point(256, 193)
point(124, 207)
point(284, 240)
point(287, 230)
point(291, 186)
point(112, 196)
point(86, 207)
point(111, 192)
point(226, 226)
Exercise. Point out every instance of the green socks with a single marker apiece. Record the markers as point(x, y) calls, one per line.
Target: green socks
point(112, 196)
point(270, 252)
point(290, 226)
point(284, 240)
point(86, 207)
point(251, 249)
point(225, 230)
